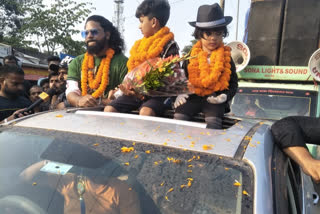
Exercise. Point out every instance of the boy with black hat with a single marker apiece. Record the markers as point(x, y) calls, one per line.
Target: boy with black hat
point(211, 71)
point(158, 41)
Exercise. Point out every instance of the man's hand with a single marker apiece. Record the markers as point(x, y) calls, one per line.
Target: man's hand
point(217, 99)
point(18, 114)
point(87, 101)
point(112, 94)
point(180, 100)
point(130, 92)
point(303, 158)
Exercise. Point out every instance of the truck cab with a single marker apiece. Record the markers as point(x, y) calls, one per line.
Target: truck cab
point(275, 92)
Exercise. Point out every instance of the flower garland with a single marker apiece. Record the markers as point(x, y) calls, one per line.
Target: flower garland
point(148, 48)
point(207, 78)
point(100, 82)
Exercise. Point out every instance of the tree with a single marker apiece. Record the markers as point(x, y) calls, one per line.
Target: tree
point(9, 19)
point(53, 27)
point(187, 48)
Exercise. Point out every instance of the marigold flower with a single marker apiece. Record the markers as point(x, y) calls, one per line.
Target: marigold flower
point(127, 149)
point(206, 147)
point(170, 190)
point(245, 193)
point(236, 183)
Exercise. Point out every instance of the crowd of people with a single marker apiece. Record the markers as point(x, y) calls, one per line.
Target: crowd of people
point(93, 78)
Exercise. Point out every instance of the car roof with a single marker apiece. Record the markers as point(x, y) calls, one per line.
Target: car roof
point(154, 130)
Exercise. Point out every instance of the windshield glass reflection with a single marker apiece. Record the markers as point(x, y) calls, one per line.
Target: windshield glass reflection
point(75, 173)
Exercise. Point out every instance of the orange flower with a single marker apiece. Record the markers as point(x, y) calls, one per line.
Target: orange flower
point(125, 149)
point(207, 78)
point(148, 48)
point(101, 81)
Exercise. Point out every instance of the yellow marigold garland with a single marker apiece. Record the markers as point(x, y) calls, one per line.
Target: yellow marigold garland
point(207, 78)
point(148, 48)
point(100, 82)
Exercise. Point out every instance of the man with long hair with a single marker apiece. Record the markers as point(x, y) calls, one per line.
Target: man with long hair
point(91, 76)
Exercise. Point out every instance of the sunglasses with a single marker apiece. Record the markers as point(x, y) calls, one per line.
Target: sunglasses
point(213, 33)
point(85, 33)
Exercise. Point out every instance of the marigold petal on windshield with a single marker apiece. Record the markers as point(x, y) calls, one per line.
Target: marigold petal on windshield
point(245, 193)
point(59, 115)
point(207, 147)
point(170, 190)
point(127, 149)
point(135, 157)
point(236, 183)
point(96, 144)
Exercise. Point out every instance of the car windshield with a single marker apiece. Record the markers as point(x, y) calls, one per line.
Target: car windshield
point(273, 103)
point(60, 172)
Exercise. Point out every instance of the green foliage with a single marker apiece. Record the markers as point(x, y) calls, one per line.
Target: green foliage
point(55, 25)
point(49, 27)
point(187, 48)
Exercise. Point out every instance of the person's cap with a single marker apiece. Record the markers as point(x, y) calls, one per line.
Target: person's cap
point(211, 16)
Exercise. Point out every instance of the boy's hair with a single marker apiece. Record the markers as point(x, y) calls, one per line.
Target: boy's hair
point(44, 81)
point(34, 86)
point(160, 9)
point(10, 57)
point(10, 69)
point(53, 58)
point(115, 41)
point(52, 74)
point(198, 32)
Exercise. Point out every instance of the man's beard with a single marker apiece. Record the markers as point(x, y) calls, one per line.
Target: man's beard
point(12, 94)
point(61, 88)
point(98, 47)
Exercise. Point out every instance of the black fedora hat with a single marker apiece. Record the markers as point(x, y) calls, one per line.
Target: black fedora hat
point(210, 16)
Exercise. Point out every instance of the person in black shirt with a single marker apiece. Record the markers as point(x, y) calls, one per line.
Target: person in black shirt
point(12, 60)
point(292, 134)
point(12, 101)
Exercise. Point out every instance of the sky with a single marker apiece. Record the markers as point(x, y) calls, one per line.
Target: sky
point(182, 12)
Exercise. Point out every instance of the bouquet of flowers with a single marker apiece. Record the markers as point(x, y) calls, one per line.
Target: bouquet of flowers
point(158, 77)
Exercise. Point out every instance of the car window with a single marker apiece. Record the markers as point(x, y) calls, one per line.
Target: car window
point(287, 187)
point(61, 172)
point(273, 103)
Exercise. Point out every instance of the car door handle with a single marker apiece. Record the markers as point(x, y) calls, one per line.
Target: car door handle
point(315, 198)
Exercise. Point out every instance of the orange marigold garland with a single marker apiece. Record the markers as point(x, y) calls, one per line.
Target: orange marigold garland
point(100, 82)
point(148, 48)
point(207, 78)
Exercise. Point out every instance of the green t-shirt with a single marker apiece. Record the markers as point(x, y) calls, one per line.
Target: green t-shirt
point(118, 69)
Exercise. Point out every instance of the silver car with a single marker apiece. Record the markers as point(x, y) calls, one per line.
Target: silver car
point(80, 161)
